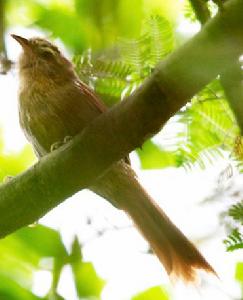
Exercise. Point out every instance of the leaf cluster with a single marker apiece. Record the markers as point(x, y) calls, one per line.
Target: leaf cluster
point(39, 248)
point(118, 71)
point(234, 240)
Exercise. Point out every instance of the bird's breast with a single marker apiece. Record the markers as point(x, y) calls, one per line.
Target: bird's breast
point(50, 112)
point(41, 118)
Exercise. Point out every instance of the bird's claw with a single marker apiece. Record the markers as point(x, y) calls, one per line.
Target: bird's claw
point(67, 139)
point(57, 145)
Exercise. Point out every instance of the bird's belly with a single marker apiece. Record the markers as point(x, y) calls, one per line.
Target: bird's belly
point(44, 125)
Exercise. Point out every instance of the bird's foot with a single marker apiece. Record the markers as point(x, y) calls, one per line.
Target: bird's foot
point(67, 139)
point(57, 145)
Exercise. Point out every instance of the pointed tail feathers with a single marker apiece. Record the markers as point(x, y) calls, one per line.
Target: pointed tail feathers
point(179, 256)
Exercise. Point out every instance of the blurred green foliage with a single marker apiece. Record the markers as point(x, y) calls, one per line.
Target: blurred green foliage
point(88, 284)
point(152, 156)
point(81, 24)
point(239, 272)
point(239, 275)
point(39, 248)
point(12, 164)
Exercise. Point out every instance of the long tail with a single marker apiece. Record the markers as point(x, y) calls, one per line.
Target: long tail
point(179, 256)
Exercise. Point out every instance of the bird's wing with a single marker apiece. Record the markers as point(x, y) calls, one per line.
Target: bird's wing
point(95, 101)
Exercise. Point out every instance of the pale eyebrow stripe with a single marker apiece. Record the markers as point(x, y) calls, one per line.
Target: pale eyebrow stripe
point(45, 45)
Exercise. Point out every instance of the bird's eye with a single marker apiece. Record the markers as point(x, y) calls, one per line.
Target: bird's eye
point(46, 54)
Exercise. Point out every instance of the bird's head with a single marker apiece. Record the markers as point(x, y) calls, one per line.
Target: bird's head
point(42, 58)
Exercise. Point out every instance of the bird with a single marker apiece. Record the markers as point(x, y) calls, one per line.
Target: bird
point(54, 105)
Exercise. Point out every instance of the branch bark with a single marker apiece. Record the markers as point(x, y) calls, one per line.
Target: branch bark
point(5, 63)
point(230, 79)
point(75, 166)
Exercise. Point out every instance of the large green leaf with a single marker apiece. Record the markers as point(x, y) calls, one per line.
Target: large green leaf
point(88, 284)
point(44, 241)
point(25, 251)
point(11, 290)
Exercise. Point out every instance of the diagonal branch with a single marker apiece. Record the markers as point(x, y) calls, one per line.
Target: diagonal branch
point(114, 134)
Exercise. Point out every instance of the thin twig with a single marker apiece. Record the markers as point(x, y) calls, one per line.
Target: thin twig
point(201, 10)
point(5, 63)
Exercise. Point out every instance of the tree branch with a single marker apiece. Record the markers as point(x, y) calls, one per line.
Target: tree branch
point(231, 79)
point(5, 63)
point(2, 27)
point(75, 166)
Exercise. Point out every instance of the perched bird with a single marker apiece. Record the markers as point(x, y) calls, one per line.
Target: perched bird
point(53, 105)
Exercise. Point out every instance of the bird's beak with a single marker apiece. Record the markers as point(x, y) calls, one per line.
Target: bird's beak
point(22, 41)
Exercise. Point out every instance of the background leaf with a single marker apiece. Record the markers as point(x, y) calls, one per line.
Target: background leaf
point(153, 293)
point(88, 284)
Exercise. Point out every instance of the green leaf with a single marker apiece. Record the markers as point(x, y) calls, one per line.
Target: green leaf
point(12, 164)
point(236, 212)
point(65, 25)
point(88, 283)
point(31, 249)
point(239, 271)
point(11, 290)
point(153, 157)
point(234, 241)
point(154, 293)
point(161, 38)
point(44, 241)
